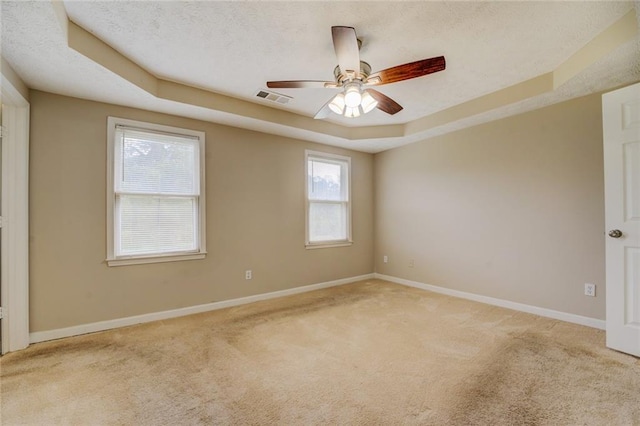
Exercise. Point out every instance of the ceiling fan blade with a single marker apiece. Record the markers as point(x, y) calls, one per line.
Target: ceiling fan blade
point(407, 71)
point(345, 43)
point(385, 103)
point(323, 112)
point(300, 84)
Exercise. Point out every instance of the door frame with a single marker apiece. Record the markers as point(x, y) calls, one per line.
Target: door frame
point(14, 240)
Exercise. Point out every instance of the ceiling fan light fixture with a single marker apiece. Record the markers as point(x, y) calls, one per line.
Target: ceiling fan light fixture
point(353, 102)
point(337, 104)
point(368, 102)
point(352, 95)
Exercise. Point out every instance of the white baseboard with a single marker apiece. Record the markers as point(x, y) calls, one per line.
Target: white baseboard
point(543, 312)
point(41, 336)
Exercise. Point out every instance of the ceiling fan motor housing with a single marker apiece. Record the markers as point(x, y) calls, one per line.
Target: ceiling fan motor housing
point(362, 74)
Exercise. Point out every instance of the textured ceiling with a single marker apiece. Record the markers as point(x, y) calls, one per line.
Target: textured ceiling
point(233, 48)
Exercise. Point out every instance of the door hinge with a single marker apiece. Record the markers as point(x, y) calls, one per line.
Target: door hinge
point(0, 221)
point(3, 130)
point(1, 313)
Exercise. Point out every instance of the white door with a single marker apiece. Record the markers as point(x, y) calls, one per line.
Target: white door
point(621, 122)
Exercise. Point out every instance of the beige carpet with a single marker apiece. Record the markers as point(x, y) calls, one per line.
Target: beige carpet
point(370, 353)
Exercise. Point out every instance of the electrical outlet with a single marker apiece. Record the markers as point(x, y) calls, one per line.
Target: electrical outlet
point(411, 262)
point(385, 259)
point(590, 289)
point(248, 274)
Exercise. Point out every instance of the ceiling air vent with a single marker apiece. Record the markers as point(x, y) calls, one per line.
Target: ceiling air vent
point(273, 97)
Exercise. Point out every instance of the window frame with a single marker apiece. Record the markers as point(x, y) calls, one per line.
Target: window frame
point(119, 260)
point(331, 158)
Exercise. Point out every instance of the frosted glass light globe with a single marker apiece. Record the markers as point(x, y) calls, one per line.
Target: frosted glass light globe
point(350, 112)
point(352, 96)
point(368, 102)
point(337, 104)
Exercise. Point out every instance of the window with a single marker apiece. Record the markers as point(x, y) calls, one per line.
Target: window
point(155, 194)
point(328, 207)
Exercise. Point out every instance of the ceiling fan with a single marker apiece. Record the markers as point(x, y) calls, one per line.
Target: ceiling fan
point(355, 77)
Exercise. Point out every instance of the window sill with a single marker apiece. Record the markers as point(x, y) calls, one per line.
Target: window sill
point(155, 259)
point(329, 244)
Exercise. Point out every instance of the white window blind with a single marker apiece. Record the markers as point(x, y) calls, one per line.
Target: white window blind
point(328, 204)
point(157, 203)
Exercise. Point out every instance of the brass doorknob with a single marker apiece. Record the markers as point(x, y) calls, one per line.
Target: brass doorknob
point(615, 233)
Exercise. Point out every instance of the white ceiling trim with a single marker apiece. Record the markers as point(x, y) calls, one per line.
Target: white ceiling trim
point(285, 123)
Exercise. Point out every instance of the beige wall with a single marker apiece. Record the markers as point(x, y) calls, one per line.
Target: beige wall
point(512, 209)
point(255, 220)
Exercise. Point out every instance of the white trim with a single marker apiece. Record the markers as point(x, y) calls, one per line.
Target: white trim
point(15, 213)
point(543, 312)
point(328, 244)
point(41, 336)
point(140, 260)
point(112, 161)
